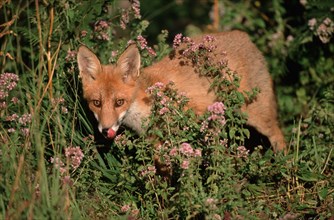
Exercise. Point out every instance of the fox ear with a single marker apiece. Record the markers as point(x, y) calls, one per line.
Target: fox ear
point(89, 64)
point(129, 63)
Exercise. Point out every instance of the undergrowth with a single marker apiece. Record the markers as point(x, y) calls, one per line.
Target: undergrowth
point(55, 165)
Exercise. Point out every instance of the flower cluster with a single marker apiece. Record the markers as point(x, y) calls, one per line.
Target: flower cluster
point(58, 164)
point(8, 81)
point(75, 155)
point(157, 92)
point(242, 152)
point(101, 29)
point(133, 212)
point(193, 48)
point(186, 152)
point(143, 45)
point(203, 55)
point(19, 122)
point(125, 14)
point(217, 112)
point(71, 56)
point(165, 101)
point(149, 170)
point(325, 29)
point(135, 6)
point(61, 103)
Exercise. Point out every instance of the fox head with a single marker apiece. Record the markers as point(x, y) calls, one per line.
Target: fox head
point(110, 90)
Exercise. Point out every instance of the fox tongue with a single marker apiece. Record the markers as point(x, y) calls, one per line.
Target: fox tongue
point(111, 133)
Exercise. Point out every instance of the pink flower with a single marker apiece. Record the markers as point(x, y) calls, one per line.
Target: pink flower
point(163, 110)
point(197, 153)
point(311, 23)
point(217, 108)
point(114, 53)
point(186, 149)
point(143, 45)
point(185, 164)
point(83, 33)
point(25, 132)
point(67, 180)
point(125, 208)
point(25, 119)
point(142, 41)
point(242, 152)
point(173, 152)
point(56, 161)
point(75, 155)
point(209, 38)
point(135, 5)
point(177, 41)
point(124, 19)
point(71, 55)
point(11, 130)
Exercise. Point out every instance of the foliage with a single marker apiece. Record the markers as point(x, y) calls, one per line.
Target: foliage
point(185, 166)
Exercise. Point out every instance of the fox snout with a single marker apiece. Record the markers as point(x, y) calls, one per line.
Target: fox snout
point(109, 133)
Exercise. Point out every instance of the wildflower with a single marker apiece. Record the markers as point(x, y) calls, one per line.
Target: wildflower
point(67, 180)
point(75, 155)
point(114, 53)
point(8, 82)
point(11, 130)
point(173, 152)
point(177, 41)
point(103, 36)
point(209, 38)
point(143, 45)
point(15, 100)
point(242, 152)
point(217, 217)
point(311, 23)
point(13, 117)
point(71, 55)
point(3, 105)
point(197, 153)
point(325, 30)
point(100, 25)
point(83, 33)
point(151, 51)
point(211, 203)
point(25, 132)
point(185, 164)
point(124, 19)
point(135, 5)
point(156, 86)
point(289, 39)
point(56, 161)
point(163, 110)
point(25, 119)
point(217, 108)
point(186, 149)
point(134, 213)
point(37, 191)
point(64, 110)
point(303, 2)
point(125, 208)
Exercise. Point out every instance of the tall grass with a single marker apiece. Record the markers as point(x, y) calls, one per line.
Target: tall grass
point(54, 165)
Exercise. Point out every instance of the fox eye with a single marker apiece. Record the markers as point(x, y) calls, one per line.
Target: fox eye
point(119, 102)
point(97, 103)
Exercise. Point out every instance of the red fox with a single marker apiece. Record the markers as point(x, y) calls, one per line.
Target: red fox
point(116, 93)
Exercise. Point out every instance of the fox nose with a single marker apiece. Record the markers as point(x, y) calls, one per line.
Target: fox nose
point(108, 133)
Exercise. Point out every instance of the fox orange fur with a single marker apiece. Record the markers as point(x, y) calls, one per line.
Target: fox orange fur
point(116, 93)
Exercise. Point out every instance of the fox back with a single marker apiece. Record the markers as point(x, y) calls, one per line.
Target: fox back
point(116, 93)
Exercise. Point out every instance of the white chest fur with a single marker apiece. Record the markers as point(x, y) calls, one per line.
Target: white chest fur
point(135, 115)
